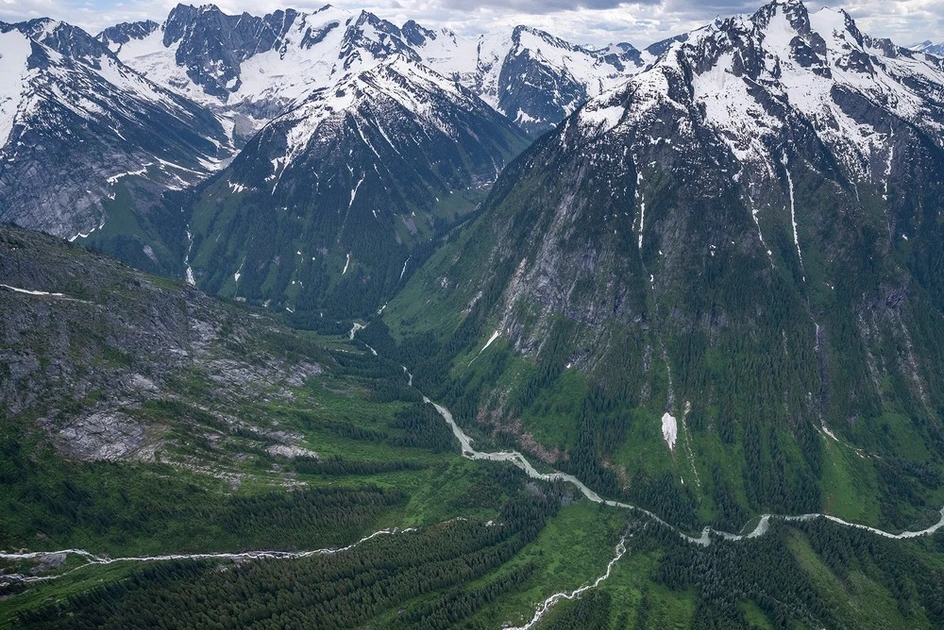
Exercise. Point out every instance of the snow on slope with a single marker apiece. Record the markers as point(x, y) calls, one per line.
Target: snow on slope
point(750, 74)
point(929, 47)
point(398, 81)
point(15, 49)
point(315, 50)
point(279, 76)
point(89, 82)
point(74, 119)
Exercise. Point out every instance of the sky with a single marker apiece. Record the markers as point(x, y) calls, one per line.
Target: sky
point(594, 22)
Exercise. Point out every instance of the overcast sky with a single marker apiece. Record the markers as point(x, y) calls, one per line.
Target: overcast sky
point(596, 22)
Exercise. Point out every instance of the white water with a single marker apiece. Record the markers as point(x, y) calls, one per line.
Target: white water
point(642, 203)
point(556, 597)
point(354, 330)
point(796, 237)
point(520, 461)
point(763, 524)
point(29, 292)
point(248, 555)
point(191, 280)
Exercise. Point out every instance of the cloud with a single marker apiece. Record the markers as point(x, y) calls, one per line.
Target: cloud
point(539, 7)
point(595, 22)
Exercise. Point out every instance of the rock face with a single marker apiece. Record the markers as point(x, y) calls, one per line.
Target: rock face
point(749, 227)
point(323, 209)
point(536, 79)
point(74, 120)
point(375, 140)
point(212, 45)
point(109, 359)
point(115, 36)
point(101, 436)
point(259, 67)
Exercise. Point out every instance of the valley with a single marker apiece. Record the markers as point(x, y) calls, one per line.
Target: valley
point(314, 319)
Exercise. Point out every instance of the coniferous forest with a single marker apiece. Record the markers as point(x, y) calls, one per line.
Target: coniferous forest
point(334, 320)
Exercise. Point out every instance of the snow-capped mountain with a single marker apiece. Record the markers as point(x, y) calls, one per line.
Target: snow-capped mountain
point(927, 46)
point(74, 120)
point(335, 196)
point(116, 36)
point(373, 140)
point(755, 82)
point(744, 240)
point(260, 66)
point(530, 76)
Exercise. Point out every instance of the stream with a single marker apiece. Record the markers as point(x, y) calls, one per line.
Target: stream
point(704, 539)
point(518, 460)
point(247, 555)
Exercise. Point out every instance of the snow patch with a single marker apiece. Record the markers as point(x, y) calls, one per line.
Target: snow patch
point(29, 292)
point(669, 430)
point(796, 238)
point(403, 271)
point(495, 335)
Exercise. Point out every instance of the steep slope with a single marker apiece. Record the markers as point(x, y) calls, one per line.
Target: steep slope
point(120, 34)
point(333, 198)
point(717, 288)
point(141, 414)
point(90, 346)
point(74, 121)
point(257, 67)
point(530, 76)
point(371, 152)
point(252, 67)
point(148, 429)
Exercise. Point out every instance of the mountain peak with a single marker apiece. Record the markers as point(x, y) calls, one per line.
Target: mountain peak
point(116, 36)
point(929, 47)
point(65, 39)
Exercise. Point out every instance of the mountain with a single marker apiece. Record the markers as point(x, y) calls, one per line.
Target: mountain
point(91, 344)
point(142, 416)
point(530, 76)
point(929, 47)
point(116, 36)
point(257, 67)
point(75, 122)
point(716, 289)
point(656, 49)
point(167, 457)
point(371, 141)
point(326, 209)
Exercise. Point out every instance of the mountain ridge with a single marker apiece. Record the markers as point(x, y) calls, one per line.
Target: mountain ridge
point(504, 68)
point(360, 175)
point(71, 103)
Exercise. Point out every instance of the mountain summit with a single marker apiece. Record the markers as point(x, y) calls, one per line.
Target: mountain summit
point(323, 211)
point(260, 66)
